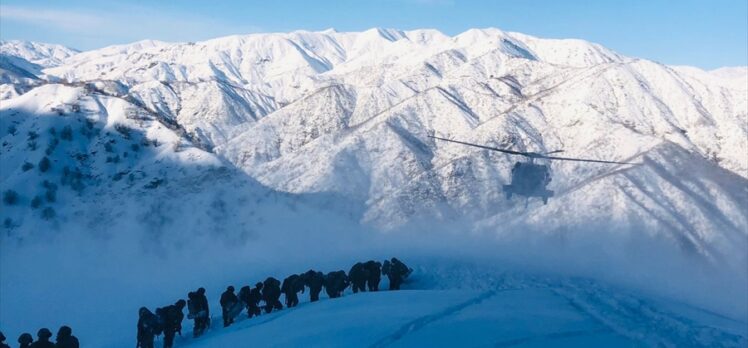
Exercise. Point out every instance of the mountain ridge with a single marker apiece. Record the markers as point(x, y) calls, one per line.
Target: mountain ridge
point(349, 113)
point(269, 103)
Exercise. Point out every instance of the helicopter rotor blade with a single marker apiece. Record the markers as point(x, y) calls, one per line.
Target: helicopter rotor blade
point(533, 154)
point(584, 160)
point(483, 146)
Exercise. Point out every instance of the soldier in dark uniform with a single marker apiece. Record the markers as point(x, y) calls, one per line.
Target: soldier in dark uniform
point(358, 275)
point(25, 340)
point(244, 296)
point(396, 271)
point(192, 312)
point(374, 270)
point(271, 294)
point(171, 317)
point(148, 327)
point(315, 281)
point(255, 296)
point(65, 338)
point(290, 288)
point(335, 283)
point(342, 282)
point(228, 301)
point(2, 341)
point(42, 339)
point(330, 285)
point(202, 320)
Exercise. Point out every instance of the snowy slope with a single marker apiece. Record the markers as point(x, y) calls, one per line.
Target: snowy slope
point(21, 64)
point(449, 303)
point(111, 163)
point(525, 315)
point(17, 76)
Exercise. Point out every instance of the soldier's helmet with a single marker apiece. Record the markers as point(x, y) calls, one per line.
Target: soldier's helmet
point(65, 331)
point(25, 338)
point(44, 333)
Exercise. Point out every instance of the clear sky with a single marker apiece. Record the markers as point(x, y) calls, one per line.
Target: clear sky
point(704, 33)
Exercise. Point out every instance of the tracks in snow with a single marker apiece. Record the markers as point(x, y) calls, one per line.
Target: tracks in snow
point(418, 323)
point(642, 322)
point(550, 337)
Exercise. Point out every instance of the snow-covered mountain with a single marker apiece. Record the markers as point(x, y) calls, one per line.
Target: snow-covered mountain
point(350, 113)
point(21, 64)
point(43, 54)
point(308, 142)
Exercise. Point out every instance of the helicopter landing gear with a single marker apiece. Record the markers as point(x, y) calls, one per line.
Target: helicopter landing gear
point(548, 194)
point(508, 191)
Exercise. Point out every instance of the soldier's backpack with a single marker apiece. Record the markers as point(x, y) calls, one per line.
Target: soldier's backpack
point(191, 310)
point(151, 324)
point(236, 309)
point(386, 267)
point(158, 321)
point(170, 317)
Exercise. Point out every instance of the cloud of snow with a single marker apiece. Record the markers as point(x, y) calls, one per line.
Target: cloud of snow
point(99, 283)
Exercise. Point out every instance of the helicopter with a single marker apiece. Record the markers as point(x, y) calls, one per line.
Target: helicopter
point(528, 178)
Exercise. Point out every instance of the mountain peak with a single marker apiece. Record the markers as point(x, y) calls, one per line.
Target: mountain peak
point(388, 34)
point(44, 54)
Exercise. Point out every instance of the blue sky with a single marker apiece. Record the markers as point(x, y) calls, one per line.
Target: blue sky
point(707, 34)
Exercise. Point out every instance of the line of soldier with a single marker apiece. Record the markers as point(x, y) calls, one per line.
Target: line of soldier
point(64, 339)
point(168, 320)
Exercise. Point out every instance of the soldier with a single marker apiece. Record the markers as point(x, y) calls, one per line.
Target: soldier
point(358, 276)
point(315, 281)
point(65, 338)
point(192, 312)
point(2, 341)
point(171, 317)
point(202, 321)
point(335, 283)
point(148, 327)
point(396, 271)
point(342, 282)
point(330, 285)
point(228, 301)
point(244, 293)
point(42, 339)
point(290, 288)
point(25, 340)
point(375, 274)
point(271, 294)
point(255, 296)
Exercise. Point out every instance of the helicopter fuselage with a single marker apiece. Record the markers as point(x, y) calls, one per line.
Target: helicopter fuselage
point(529, 180)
